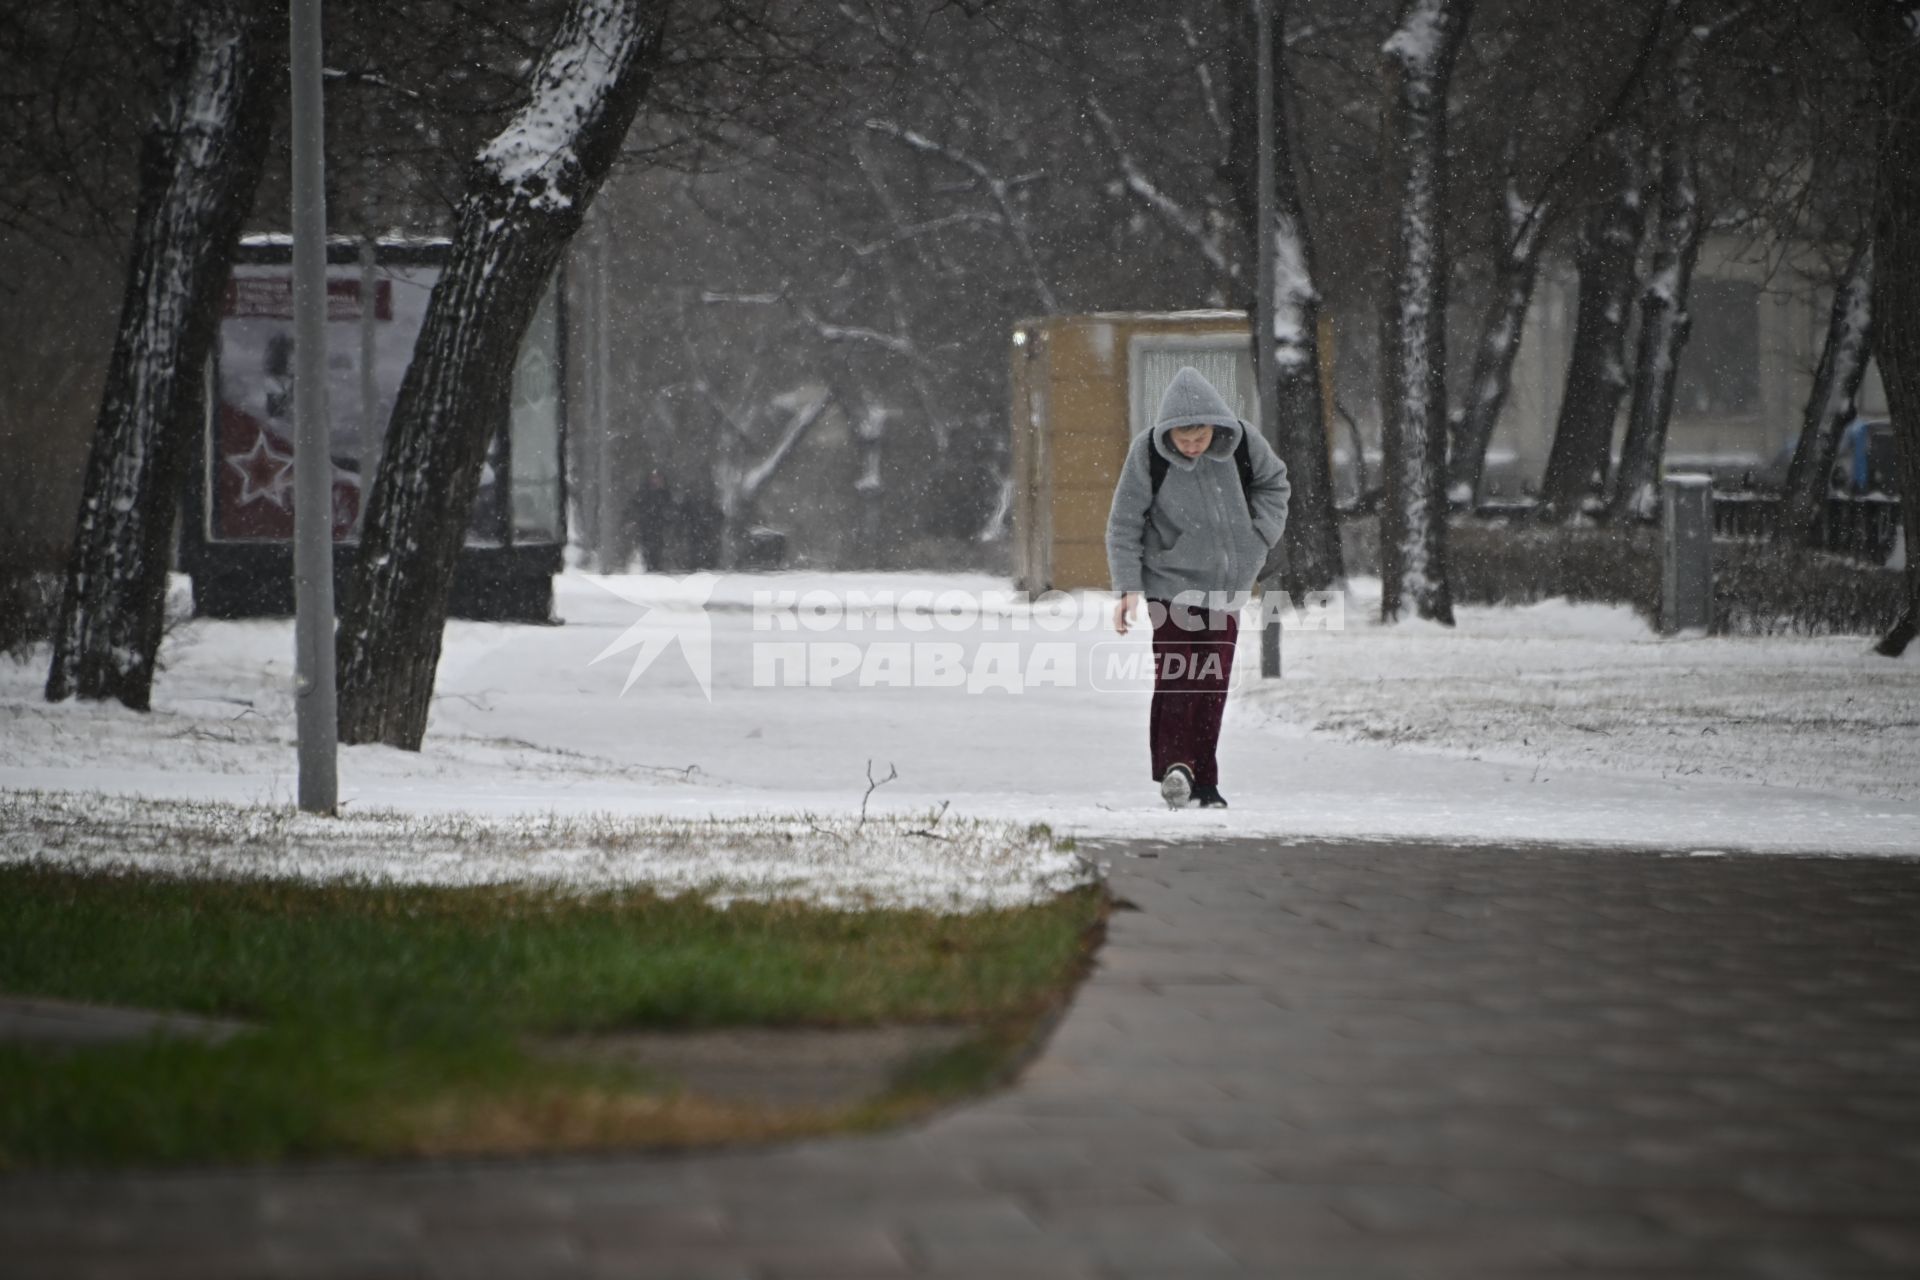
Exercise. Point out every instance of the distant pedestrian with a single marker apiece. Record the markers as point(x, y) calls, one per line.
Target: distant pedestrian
point(652, 515)
point(702, 525)
point(1201, 501)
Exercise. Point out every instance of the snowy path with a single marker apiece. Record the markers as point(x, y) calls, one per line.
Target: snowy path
point(1585, 729)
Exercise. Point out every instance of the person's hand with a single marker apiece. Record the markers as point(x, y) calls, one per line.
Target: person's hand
point(1122, 607)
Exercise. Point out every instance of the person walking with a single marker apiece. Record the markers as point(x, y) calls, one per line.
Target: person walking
point(651, 514)
point(1201, 500)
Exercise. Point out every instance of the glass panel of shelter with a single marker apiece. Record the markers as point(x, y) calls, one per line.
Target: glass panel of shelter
point(534, 427)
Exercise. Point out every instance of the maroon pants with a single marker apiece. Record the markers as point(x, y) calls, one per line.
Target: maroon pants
point(1192, 660)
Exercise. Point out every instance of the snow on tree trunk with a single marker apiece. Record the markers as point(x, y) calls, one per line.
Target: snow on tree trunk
point(1313, 532)
point(1836, 383)
point(200, 164)
point(1664, 322)
point(740, 484)
point(1894, 38)
point(1413, 518)
point(527, 192)
point(1526, 223)
point(1596, 379)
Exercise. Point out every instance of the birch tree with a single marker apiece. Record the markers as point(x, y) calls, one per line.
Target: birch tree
point(1892, 31)
point(1515, 271)
point(1664, 321)
point(1830, 402)
point(200, 163)
point(1606, 266)
point(1816, 178)
point(740, 482)
point(1419, 59)
point(527, 192)
point(1529, 209)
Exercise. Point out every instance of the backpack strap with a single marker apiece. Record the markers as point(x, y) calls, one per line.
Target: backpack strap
point(1156, 468)
point(1242, 464)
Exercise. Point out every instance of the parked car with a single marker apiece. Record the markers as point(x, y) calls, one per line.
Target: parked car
point(1867, 460)
point(1863, 462)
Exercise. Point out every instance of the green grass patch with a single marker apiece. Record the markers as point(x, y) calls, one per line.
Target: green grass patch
point(390, 1020)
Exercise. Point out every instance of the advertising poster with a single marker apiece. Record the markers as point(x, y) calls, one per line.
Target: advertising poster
point(251, 463)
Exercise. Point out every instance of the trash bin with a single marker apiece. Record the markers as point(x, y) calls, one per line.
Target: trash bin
point(1686, 562)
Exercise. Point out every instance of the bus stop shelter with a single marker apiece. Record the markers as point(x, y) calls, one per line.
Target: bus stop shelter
point(236, 530)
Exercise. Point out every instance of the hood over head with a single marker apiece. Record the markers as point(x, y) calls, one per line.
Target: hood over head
point(1191, 401)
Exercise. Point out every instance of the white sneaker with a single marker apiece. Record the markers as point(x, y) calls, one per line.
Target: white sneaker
point(1176, 786)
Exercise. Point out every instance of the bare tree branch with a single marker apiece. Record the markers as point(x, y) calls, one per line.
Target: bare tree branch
point(997, 190)
point(1170, 211)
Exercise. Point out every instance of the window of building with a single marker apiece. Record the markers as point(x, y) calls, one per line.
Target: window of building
point(1720, 366)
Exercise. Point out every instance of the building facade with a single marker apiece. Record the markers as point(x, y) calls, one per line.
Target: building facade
point(1759, 321)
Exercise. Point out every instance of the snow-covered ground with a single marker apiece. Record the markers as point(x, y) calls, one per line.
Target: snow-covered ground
point(1572, 689)
point(930, 862)
point(1551, 723)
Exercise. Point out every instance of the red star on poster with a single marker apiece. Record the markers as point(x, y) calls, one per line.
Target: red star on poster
point(263, 473)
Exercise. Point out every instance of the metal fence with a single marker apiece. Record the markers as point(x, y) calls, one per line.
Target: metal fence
point(1864, 527)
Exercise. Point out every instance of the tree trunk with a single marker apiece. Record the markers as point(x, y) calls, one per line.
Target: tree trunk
point(1664, 322)
point(1894, 38)
point(1836, 383)
point(1525, 228)
point(1313, 532)
point(741, 483)
point(1607, 263)
point(1413, 520)
point(527, 192)
point(200, 164)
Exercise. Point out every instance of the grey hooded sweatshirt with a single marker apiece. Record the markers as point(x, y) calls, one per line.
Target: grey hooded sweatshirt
point(1196, 534)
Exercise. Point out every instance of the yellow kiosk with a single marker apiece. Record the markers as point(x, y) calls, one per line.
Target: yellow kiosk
point(1083, 386)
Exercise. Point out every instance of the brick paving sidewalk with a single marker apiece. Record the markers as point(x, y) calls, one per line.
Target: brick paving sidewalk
point(1305, 1062)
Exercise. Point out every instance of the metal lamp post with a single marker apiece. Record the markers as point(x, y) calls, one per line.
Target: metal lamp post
point(316, 714)
point(1263, 306)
